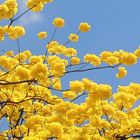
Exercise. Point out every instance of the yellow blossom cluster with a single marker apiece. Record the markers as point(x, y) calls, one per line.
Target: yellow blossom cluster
point(37, 5)
point(47, 115)
point(93, 59)
point(121, 73)
point(75, 61)
point(8, 9)
point(62, 120)
point(76, 86)
point(57, 65)
point(125, 100)
point(133, 88)
point(38, 104)
point(55, 48)
point(7, 62)
point(69, 94)
point(56, 83)
point(13, 32)
point(117, 57)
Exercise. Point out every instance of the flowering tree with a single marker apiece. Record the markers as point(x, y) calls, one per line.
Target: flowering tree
point(28, 84)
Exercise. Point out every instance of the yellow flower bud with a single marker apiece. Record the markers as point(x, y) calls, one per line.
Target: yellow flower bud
point(84, 27)
point(75, 60)
point(73, 37)
point(122, 72)
point(42, 35)
point(58, 22)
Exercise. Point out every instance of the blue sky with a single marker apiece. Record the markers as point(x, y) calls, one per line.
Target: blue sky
point(115, 26)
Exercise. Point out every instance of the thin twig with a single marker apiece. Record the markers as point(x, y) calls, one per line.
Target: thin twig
point(12, 20)
point(18, 48)
point(102, 67)
point(53, 34)
point(49, 43)
point(70, 40)
point(78, 97)
point(19, 82)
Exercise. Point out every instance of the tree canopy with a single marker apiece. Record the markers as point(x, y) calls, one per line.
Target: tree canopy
point(29, 83)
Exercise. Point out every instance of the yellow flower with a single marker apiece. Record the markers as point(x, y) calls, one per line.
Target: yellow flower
point(35, 4)
point(22, 72)
point(4, 61)
point(59, 68)
point(128, 58)
point(3, 11)
point(39, 71)
point(125, 99)
point(112, 60)
point(42, 35)
point(108, 109)
point(14, 32)
point(75, 61)
point(8, 9)
point(137, 52)
point(73, 37)
point(70, 52)
point(122, 72)
point(47, 1)
point(34, 121)
point(55, 128)
point(35, 59)
point(105, 91)
point(76, 86)
point(105, 54)
point(58, 22)
point(93, 59)
point(69, 94)
point(84, 27)
point(1, 33)
point(9, 53)
point(56, 83)
point(21, 56)
point(89, 86)
point(27, 53)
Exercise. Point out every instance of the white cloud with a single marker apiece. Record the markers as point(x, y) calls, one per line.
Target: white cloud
point(29, 17)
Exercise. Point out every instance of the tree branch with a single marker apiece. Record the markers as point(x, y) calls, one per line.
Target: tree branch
point(19, 82)
point(101, 67)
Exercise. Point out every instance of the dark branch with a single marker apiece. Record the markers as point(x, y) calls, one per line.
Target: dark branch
point(19, 82)
point(102, 67)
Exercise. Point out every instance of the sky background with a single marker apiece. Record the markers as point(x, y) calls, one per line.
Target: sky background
point(115, 26)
